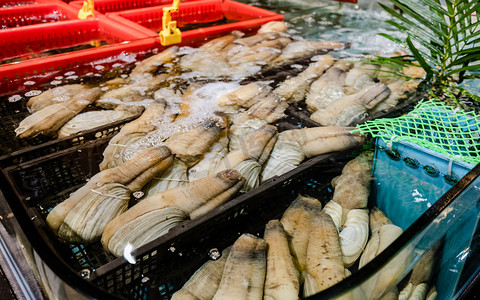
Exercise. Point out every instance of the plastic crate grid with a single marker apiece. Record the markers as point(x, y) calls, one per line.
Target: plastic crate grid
point(214, 17)
point(105, 6)
point(17, 16)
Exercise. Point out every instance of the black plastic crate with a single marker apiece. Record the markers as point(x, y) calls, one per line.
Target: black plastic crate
point(39, 178)
point(15, 151)
point(163, 265)
point(40, 184)
point(13, 109)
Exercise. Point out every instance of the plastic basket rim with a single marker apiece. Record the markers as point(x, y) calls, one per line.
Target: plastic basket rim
point(427, 151)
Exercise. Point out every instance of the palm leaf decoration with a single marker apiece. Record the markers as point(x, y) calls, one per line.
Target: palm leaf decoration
point(443, 39)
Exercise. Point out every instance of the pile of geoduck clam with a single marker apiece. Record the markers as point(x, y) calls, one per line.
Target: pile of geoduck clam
point(205, 131)
point(310, 248)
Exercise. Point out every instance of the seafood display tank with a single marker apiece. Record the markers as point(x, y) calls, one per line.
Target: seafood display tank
point(237, 163)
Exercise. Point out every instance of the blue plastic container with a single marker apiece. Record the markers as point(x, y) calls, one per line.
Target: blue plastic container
point(408, 180)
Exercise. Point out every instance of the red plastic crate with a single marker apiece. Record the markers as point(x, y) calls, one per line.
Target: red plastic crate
point(28, 40)
point(17, 16)
point(32, 41)
point(14, 76)
point(238, 16)
point(104, 6)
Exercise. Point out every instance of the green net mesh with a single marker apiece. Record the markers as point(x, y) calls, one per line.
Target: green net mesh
point(434, 125)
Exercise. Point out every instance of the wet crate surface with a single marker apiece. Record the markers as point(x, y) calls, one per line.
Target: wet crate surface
point(43, 73)
point(79, 67)
point(55, 176)
point(229, 15)
point(133, 272)
point(45, 181)
point(51, 179)
point(35, 14)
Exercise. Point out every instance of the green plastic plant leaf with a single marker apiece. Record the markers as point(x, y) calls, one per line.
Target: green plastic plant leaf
point(470, 50)
point(435, 6)
point(420, 34)
point(472, 76)
point(450, 8)
point(471, 7)
point(419, 58)
point(393, 39)
point(470, 38)
point(419, 18)
point(462, 62)
point(442, 37)
point(467, 68)
point(467, 57)
point(416, 10)
point(463, 20)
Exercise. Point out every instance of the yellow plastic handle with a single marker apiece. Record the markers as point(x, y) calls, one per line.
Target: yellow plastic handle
point(86, 10)
point(170, 34)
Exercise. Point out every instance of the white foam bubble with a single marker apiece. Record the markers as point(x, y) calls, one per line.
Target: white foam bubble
point(202, 104)
point(33, 93)
point(14, 98)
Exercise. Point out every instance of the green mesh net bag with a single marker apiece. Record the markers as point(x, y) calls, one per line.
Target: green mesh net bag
point(450, 131)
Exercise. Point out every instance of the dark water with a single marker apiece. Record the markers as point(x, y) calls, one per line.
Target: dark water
point(191, 26)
